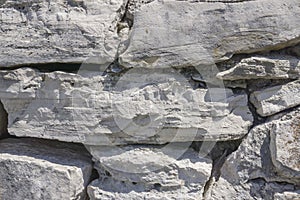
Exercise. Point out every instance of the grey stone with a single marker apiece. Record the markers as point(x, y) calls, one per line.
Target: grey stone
point(143, 106)
point(278, 67)
point(133, 6)
point(184, 34)
point(35, 169)
point(236, 84)
point(285, 145)
point(58, 31)
point(261, 154)
point(145, 172)
point(287, 195)
point(274, 99)
point(267, 157)
point(253, 190)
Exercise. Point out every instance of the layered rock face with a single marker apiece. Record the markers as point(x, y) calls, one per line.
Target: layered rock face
point(35, 169)
point(149, 99)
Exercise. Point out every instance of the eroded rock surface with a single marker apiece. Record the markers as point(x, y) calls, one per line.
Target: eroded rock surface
point(149, 172)
point(287, 195)
point(273, 67)
point(144, 106)
point(212, 33)
point(58, 31)
point(268, 157)
point(138, 82)
point(36, 169)
point(272, 100)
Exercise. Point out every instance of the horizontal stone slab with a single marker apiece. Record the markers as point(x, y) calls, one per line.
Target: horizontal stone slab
point(139, 172)
point(201, 33)
point(143, 106)
point(275, 99)
point(59, 31)
point(37, 169)
point(276, 67)
point(287, 195)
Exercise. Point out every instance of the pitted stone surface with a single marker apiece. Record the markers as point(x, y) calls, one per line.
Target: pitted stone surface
point(36, 169)
point(273, 67)
point(267, 157)
point(148, 172)
point(274, 99)
point(58, 31)
point(78, 108)
point(184, 34)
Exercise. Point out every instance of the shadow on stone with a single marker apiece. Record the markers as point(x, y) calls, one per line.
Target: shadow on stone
point(3, 121)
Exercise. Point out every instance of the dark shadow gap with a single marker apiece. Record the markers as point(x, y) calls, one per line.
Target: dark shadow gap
point(3, 122)
point(49, 67)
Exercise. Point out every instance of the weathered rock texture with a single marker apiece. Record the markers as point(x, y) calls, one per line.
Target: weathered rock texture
point(184, 33)
point(172, 99)
point(275, 99)
point(58, 31)
point(268, 157)
point(145, 172)
point(35, 169)
point(275, 67)
point(60, 106)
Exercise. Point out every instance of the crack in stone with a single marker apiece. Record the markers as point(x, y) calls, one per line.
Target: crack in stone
point(3, 122)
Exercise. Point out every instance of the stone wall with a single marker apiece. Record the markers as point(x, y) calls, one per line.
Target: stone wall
point(149, 99)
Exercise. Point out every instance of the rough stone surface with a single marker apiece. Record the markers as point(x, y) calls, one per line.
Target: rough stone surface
point(212, 33)
point(276, 67)
point(58, 31)
point(287, 195)
point(145, 172)
point(34, 169)
point(285, 144)
point(252, 190)
point(157, 91)
point(259, 161)
point(77, 108)
point(133, 6)
point(275, 99)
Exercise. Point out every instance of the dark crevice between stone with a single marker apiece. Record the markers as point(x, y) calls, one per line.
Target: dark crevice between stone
point(49, 67)
point(259, 84)
point(3, 122)
point(94, 174)
point(193, 76)
point(218, 154)
point(215, 174)
point(111, 73)
point(291, 49)
point(257, 119)
point(287, 110)
point(126, 18)
point(130, 8)
point(281, 48)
